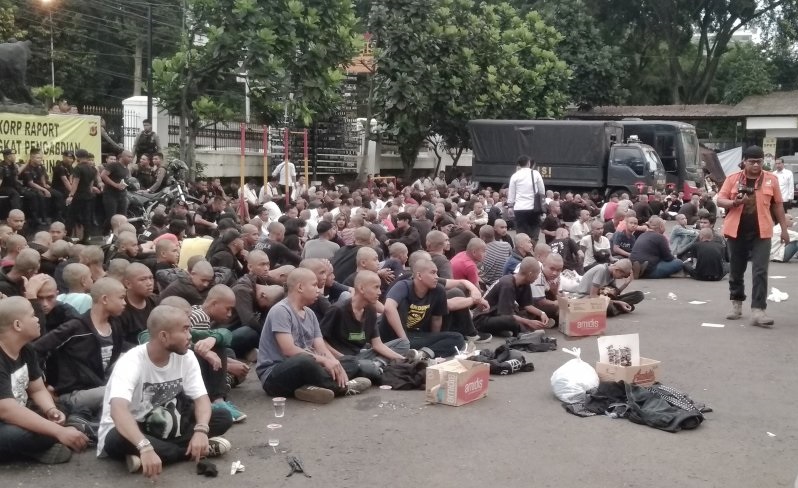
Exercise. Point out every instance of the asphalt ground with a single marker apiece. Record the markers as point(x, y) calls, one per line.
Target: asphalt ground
point(519, 435)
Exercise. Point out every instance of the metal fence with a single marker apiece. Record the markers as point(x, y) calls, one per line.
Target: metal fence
point(220, 135)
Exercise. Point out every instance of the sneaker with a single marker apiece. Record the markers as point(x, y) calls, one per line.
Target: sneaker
point(314, 394)
point(737, 310)
point(480, 338)
point(356, 386)
point(238, 415)
point(85, 426)
point(218, 446)
point(133, 463)
point(56, 454)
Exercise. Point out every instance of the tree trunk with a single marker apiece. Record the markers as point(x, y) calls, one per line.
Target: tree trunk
point(137, 61)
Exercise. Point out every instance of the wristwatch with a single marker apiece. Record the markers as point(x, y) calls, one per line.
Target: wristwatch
point(144, 443)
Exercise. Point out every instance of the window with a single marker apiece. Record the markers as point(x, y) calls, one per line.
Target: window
point(631, 158)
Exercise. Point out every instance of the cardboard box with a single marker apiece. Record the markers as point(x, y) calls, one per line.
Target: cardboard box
point(583, 316)
point(646, 374)
point(457, 382)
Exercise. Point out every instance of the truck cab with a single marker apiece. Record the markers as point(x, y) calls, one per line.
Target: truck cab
point(635, 167)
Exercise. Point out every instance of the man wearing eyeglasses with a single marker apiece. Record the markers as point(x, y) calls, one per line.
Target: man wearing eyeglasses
point(751, 198)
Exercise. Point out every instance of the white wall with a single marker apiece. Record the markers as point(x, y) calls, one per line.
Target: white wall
point(760, 123)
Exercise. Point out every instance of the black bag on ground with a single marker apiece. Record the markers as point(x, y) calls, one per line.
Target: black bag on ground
point(504, 361)
point(400, 375)
point(532, 342)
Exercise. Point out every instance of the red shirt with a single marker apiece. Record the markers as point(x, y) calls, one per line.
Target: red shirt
point(464, 268)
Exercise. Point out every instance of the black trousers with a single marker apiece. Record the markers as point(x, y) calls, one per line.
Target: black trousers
point(41, 207)
point(459, 320)
point(114, 203)
point(300, 370)
point(215, 380)
point(741, 249)
point(169, 450)
point(632, 298)
point(528, 222)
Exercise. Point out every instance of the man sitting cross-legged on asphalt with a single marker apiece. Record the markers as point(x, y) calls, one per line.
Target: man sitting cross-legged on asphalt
point(293, 359)
point(651, 255)
point(23, 432)
point(350, 327)
point(601, 280)
point(156, 410)
point(414, 310)
point(85, 349)
point(509, 292)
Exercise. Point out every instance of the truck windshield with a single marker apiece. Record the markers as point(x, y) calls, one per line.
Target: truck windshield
point(653, 161)
point(690, 145)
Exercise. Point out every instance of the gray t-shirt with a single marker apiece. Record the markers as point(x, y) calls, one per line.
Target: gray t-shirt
point(319, 249)
point(444, 266)
point(283, 318)
point(598, 275)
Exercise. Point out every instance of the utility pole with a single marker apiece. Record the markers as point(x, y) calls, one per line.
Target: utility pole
point(149, 60)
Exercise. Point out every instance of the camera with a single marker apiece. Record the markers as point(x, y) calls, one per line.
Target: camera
point(744, 190)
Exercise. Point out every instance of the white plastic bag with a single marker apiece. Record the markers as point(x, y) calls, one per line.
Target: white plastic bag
point(571, 380)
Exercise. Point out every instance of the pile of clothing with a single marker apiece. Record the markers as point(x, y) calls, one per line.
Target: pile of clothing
point(658, 406)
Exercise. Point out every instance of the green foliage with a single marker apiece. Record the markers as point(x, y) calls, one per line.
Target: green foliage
point(598, 67)
point(46, 94)
point(445, 62)
point(744, 70)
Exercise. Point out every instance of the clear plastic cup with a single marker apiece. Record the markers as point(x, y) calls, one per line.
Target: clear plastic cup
point(274, 434)
point(279, 407)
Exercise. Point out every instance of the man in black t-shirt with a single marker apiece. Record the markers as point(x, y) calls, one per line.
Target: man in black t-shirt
point(710, 258)
point(42, 200)
point(115, 191)
point(60, 181)
point(207, 217)
point(552, 222)
point(414, 310)
point(503, 296)
point(350, 327)
point(44, 438)
point(273, 246)
point(85, 186)
point(9, 178)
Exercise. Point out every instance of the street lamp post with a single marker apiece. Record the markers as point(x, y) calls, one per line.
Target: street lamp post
point(52, 50)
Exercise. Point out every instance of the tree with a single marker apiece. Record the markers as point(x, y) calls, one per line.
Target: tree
point(598, 67)
point(675, 25)
point(744, 70)
point(284, 47)
point(444, 63)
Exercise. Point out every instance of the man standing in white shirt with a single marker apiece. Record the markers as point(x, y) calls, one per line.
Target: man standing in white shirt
point(786, 183)
point(525, 184)
point(287, 178)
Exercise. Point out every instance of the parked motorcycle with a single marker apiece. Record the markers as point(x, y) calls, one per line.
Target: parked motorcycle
point(142, 205)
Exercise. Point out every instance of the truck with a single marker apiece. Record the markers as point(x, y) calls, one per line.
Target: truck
point(569, 154)
point(678, 148)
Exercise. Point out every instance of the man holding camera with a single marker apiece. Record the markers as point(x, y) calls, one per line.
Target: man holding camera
point(751, 198)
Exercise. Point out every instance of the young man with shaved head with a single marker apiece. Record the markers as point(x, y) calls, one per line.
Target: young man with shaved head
point(24, 432)
point(279, 254)
point(414, 310)
point(293, 359)
point(195, 287)
point(161, 377)
point(139, 301)
point(84, 349)
point(465, 264)
point(350, 327)
point(509, 291)
point(602, 280)
point(12, 283)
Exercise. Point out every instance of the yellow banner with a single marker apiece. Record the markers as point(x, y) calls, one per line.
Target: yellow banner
point(53, 134)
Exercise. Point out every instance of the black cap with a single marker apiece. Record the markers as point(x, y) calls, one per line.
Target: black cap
point(81, 154)
point(68, 153)
point(323, 227)
point(753, 152)
point(8, 151)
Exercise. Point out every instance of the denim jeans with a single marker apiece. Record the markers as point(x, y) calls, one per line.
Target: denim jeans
point(169, 450)
point(17, 442)
point(740, 250)
point(790, 250)
point(84, 399)
point(244, 339)
point(442, 343)
point(665, 269)
point(399, 346)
